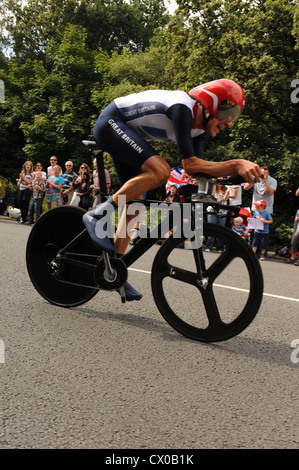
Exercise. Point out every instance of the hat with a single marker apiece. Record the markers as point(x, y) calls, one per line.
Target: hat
point(260, 202)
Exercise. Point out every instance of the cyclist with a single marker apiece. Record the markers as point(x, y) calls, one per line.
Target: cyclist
point(125, 127)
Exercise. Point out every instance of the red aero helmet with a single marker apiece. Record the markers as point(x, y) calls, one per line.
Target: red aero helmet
point(222, 98)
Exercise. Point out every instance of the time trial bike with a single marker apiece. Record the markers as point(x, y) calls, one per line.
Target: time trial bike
point(194, 290)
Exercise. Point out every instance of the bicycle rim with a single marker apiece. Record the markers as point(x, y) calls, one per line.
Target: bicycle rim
point(218, 310)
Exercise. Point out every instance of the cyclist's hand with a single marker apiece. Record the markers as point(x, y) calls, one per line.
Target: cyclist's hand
point(250, 171)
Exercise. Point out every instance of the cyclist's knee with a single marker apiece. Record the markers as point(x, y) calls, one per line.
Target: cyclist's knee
point(158, 168)
point(161, 177)
point(160, 173)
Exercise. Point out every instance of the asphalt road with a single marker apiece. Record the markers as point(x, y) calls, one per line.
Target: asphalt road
point(111, 376)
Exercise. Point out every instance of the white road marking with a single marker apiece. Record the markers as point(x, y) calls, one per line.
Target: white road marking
point(292, 299)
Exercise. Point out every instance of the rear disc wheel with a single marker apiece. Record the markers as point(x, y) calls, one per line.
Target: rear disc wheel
point(52, 232)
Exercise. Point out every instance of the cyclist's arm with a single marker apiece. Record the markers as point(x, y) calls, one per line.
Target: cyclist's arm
point(181, 117)
point(248, 170)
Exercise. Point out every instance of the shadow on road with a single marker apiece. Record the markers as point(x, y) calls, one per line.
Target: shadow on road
point(264, 350)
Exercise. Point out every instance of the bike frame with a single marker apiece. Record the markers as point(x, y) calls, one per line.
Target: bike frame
point(144, 244)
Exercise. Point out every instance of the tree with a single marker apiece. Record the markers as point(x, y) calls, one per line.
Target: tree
point(32, 25)
point(64, 118)
point(110, 24)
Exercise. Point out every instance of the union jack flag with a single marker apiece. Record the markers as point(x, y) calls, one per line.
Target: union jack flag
point(179, 177)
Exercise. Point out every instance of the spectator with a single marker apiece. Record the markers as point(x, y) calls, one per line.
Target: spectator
point(172, 195)
point(82, 185)
point(260, 236)
point(96, 190)
point(239, 228)
point(25, 189)
point(233, 195)
point(68, 178)
point(219, 217)
point(39, 187)
point(50, 169)
point(83, 169)
point(265, 189)
point(54, 186)
point(39, 167)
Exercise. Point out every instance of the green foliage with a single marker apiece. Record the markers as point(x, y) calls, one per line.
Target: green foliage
point(110, 24)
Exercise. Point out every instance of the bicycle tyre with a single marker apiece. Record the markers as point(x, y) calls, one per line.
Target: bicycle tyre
point(215, 328)
point(56, 228)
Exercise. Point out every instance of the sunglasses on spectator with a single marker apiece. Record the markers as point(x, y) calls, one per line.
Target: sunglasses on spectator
point(83, 167)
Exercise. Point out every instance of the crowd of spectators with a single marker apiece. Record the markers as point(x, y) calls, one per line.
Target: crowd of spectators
point(57, 186)
point(66, 187)
point(255, 231)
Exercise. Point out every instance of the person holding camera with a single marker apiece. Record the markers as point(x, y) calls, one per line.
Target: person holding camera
point(264, 190)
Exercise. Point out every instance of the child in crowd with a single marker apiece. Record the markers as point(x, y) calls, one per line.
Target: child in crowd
point(239, 228)
point(54, 186)
point(260, 236)
point(39, 187)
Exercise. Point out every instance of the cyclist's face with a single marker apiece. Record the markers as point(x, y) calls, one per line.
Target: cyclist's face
point(214, 126)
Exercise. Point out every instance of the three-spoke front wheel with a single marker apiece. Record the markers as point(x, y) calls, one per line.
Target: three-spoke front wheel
point(210, 309)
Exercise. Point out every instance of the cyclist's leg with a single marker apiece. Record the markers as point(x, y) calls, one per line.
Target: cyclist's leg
point(133, 189)
point(132, 151)
point(139, 169)
point(155, 172)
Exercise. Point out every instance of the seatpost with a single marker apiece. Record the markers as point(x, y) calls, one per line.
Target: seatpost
point(101, 172)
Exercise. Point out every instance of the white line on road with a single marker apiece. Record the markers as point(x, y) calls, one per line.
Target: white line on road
point(292, 299)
